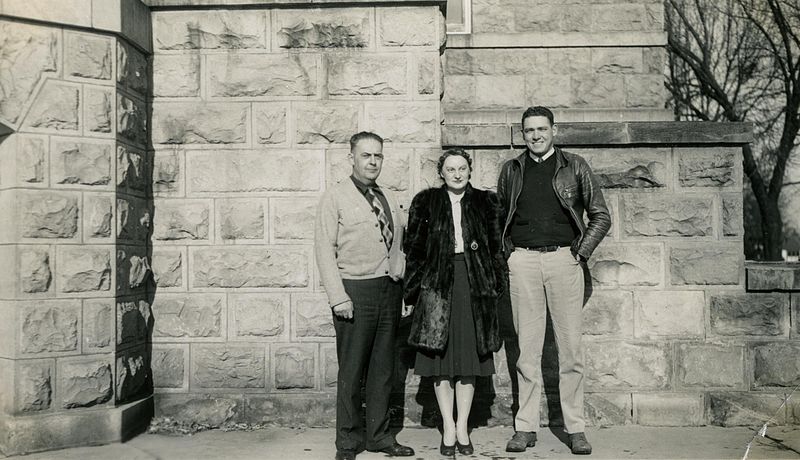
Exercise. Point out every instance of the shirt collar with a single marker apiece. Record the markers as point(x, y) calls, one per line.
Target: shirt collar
point(362, 187)
point(455, 197)
point(543, 157)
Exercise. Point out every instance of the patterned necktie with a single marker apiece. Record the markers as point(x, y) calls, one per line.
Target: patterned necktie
point(383, 221)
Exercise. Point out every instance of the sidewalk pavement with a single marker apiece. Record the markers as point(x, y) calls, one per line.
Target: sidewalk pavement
point(623, 442)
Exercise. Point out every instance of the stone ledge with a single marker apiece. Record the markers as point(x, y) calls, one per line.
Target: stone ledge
point(24, 435)
point(556, 39)
point(603, 133)
point(772, 276)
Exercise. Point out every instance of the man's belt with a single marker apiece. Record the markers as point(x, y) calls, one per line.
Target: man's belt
point(552, 248)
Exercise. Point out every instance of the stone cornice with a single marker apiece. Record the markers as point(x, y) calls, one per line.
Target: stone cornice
point(604, 133)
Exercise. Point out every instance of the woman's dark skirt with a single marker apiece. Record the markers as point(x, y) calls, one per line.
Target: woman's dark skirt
point(460, 357)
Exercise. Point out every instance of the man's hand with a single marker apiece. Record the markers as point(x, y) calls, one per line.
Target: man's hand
point(344, 310)
point(407, 310)
point(579, 258)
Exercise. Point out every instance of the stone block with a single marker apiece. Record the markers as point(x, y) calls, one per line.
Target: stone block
point(669, 314)
point(133, 318)
point(627, 265)
point(84, 269)
point(251, 171)
point(133, 379)
point(624, 17)
point(211, 29)
point(131, 68)
point(29, 52)
point(49, 326)
point(474, 61)
point(314, 409)
point(608, 409)
point(554, 90)
point(323, 28)
point(84, 382)
point(133, 269)
point(34, 270)
point(597, 90)
point(98, 110)
point(325, 123)
point(31, 155)
point(134, 219)
point(295, 366)
point(167, 173)
point(668, 409)
point(88, 55)
point(254, 266)
point(749, 314)
point(486, 165)
point(169, 366)
point(407, 26)
point(629, 168)
point(569, 61)
point(772, 276)
point(74, 162)
point(33, 386)
point(655, 58)
point(176, 75)
point(429, 176)
point(270, 123)
point(709, 167)
point(98, 216)
point(706, 265)
point(55, 108)
point(775, 364)
point(404, 122)
point(229, 366)
point(132, 120)
point(293, 218)
point(257, 75)
point(499, 91)
point(241, 219)
point(617, 60)
point(330, 366)
point(429, 74)
point(312, 317)
point(744, 409)
point(624, 365)
point(700, 365)
point(133, 168)
point(609, 313)
point(459, 92)
point(188, 316)
point(645, 91)
point(259, 316)
point(181, 220)
point(212, 410)
point(367, 74)
point(732, 215)
point(167, 267)
point(667, 215)
point(207, 123)
point(98, 324)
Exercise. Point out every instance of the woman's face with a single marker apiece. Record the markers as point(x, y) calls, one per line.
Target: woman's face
point(455, 172)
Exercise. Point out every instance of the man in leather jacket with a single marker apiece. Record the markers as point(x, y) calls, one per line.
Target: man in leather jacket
point(545, 193)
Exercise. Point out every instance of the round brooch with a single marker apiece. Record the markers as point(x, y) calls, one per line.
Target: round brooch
point(474, 246)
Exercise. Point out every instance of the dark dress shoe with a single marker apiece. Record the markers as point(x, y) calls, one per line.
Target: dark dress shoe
point(579, 445)
point(521, 441)
point(465, 449)
point(397, 450)
point(447, 451)
point(345, 455)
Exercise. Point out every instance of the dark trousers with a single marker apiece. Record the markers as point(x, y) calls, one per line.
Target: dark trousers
point(366, 350)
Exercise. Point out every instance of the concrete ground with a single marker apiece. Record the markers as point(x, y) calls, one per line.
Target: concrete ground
point(626, 442)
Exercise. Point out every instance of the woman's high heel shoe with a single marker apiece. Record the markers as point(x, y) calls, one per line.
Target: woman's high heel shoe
point(465, 449)
point(447, 451)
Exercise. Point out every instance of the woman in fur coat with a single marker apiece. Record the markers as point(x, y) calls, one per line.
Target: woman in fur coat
point(455, 273)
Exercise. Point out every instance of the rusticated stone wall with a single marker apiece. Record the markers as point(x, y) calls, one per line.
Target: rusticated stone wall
point(673, 335)
point(591, 60)
point(252, 113)
point(74, 342)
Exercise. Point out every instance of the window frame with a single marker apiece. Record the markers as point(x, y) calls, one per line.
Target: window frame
point(464, 28)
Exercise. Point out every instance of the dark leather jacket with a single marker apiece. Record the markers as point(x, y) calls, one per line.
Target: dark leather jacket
point(577, 190)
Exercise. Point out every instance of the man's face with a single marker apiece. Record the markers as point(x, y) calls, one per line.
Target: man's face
point(538, 134)
point(367, 160)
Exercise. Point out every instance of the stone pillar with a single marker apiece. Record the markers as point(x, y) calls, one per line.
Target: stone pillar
point(252, 113)
point(74, 239)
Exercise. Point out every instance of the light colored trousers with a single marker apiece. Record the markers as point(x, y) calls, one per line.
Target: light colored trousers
point(542, 281)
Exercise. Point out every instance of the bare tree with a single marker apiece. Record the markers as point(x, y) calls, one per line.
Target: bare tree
point(739, 60)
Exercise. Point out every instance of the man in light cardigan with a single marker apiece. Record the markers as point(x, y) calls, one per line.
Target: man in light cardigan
point(358, 239)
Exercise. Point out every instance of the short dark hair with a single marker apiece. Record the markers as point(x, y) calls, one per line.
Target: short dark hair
point(538, 111)
point(358, 137)
point(453, 153)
